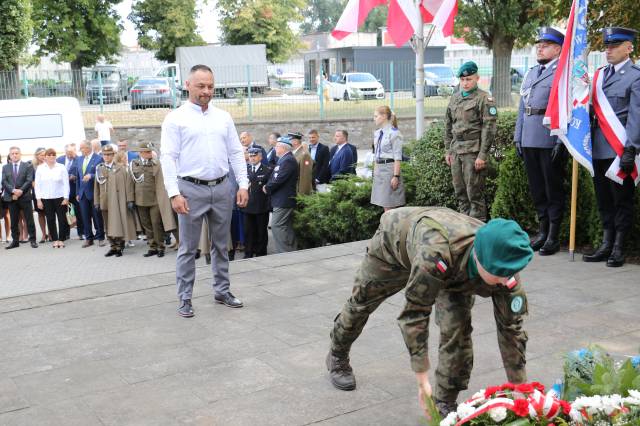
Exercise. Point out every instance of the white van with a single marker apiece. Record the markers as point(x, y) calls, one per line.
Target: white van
point(39, 122)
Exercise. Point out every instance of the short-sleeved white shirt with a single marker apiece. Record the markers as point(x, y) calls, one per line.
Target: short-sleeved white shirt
point(104, 130)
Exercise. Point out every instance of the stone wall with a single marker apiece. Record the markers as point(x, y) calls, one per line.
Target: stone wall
point(360, 131)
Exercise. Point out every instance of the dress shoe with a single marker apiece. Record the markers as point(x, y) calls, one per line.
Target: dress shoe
point(228, 299)
point(118, 253)
point(160, 253)
point(34, 244)
point(616, 259)
point(101, 243)
point(552, 245)
point(232, 254)
point(543, 231)
point(14, 244)
point(185, 309)
point(247, 255)
point(604, 251)
point(110, 253)
point(150, 253)
point(87, 243)
point(340, 371)
point(198, 254)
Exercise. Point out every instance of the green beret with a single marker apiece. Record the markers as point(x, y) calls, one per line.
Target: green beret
point(502, 247)
point(467, 69)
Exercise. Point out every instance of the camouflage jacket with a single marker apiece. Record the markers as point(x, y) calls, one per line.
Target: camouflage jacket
point(470, 124)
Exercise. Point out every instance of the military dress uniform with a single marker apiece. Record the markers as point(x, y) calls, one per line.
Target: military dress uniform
point(256, 213)
point(428, 252)
point(305, 166)
point(544, 155)
point(470, 130)
point(621, 86)
point(387, 150)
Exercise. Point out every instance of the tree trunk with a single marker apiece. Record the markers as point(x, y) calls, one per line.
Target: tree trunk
point(76, 79)
point(501, 80)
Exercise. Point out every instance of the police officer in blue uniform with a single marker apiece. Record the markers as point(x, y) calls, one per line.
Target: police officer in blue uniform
point(256, 213)
point(621, 86)
point(544, 155)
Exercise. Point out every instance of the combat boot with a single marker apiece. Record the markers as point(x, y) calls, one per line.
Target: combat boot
point(539, 240)
point(552, 245)
point(446, 407)
point(617, 256)
point(340, 371)
point(604, 251)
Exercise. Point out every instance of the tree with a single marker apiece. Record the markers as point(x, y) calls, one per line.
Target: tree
point(321, 15)
point(262, 22)
point(81, 32)
point(15, 33)
point(500, 25)
point(163, 25)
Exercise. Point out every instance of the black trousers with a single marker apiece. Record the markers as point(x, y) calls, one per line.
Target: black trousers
point(25, 206)
point(53, 209)
point(79, 223)
point(615, 202)
point(545, 183)
point(255, 234)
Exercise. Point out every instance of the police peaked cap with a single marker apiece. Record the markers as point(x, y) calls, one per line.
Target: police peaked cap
point(295, 135)
point(253, 151)
point(108, 149)
point(145, 147)
point(550, 34)
point(615, 35)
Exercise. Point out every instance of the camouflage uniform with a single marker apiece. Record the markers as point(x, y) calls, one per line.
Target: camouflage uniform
point(470, 131)
point(434, 236)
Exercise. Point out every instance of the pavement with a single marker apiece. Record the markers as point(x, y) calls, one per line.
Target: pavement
point(93, 341)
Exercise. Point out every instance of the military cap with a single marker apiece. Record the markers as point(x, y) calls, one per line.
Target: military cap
point(254, 151)
point(550, 34)
point(615, 35)
point(285, 140)
point(108, 149)
point(467, 69)
point(145, 147)
point(502, 247)
point(295, 135)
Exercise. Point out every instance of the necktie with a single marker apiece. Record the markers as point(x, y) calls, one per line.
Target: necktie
point(15, 173)
point(611, 70)
point(255, 169)
point(541, 70)
point(85, 163)
point(378, 146)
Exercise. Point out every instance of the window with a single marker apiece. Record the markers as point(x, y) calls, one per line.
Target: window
point(31, 127)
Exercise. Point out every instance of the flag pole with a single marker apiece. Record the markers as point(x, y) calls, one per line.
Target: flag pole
point(574, 208)
point(418, 47)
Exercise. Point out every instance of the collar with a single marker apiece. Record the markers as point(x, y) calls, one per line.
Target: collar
point(198, 108)
point(550, 63)
point(467, 93)
point(109, 165)
point(619, 66)
point(18, 163)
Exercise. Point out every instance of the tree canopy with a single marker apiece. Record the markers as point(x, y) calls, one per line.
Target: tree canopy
point(15, 31)
point(163, 25)
point(321, 15)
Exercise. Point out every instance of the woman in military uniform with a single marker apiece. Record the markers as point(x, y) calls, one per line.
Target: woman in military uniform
point(388, 190)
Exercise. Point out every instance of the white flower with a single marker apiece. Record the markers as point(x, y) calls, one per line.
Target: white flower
point(576, 416)
point(611, 403)
point(634, 393)
point(498, 414)
point(478, 398)
point(450, 420)
point(465, 410)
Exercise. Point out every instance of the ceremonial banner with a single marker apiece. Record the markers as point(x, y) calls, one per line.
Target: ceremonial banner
point(353, 16)
point(568, 110)
point(440, 13)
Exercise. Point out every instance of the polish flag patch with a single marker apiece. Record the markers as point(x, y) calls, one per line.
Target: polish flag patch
point(442, 267)
point(511, 283)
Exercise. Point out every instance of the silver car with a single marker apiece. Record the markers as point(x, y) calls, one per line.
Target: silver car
point(153, 92)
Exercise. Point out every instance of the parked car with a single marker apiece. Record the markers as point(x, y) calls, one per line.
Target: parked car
point(352, 85)
point(439, 80)
point(517, 75)
point(107, 81)
point(153, 92)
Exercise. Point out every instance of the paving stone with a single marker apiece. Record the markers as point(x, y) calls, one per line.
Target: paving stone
point(64, 413)
point(9, 398)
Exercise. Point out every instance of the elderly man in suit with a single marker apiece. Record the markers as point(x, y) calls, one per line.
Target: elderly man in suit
point(544, 155)
point(305, 163)
point(85, 178)
point(17, 180)
point(256, 213)
point(68, 160)
point(620, 85)
point(247, 141)
point(320, 155)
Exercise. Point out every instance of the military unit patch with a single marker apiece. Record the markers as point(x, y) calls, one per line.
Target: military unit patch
point(442, 267)
point(493, 110)
point(517, 304)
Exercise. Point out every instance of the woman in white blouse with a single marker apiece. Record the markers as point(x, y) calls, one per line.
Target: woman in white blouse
point(52, 190)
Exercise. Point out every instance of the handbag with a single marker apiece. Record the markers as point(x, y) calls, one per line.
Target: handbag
point(71, 215)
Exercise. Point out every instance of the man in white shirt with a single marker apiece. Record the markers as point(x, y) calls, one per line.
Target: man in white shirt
point(104, 128)
point(199, 144)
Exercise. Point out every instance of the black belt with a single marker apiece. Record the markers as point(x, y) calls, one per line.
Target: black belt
point(384, 160)
point(213, 182)
point(534, 111)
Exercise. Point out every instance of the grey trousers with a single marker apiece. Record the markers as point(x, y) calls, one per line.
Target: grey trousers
point(282, 229)
point(215, 203)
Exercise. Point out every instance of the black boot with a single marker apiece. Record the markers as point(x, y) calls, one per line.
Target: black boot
point(340, 371)
point(543, 231)
point(604, 251)
point(552, 245)
point(617, 257)
point(446, 407)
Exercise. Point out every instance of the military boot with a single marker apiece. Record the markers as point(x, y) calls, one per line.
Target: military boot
point(539, 240)
point(340, 371)
point(446, 407)
point(604, 251)
point(616, 259)
point(552, 245)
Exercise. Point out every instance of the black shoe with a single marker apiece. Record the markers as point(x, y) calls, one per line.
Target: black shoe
point(446, 407)
point(617, 256)
point(87, 243)
point(198, 253)
point(150, 253)
point(538, 241)
point(232, 254)
point(228, 300)
point(247, 255)
point(207, 259)
point(552, 244)
point(118, 253)
point(34, 244)
point(604, 251)
point(160, 253)
point(14, 244)
point(110, 253)
point(340, 372)
point(185, 309)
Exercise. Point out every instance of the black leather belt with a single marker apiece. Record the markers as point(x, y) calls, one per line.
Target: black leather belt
point(534, 111)
point(384, 160)
point(213, 182)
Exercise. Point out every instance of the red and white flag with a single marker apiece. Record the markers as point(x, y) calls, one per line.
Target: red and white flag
point(403, 21)
point(440, 13)
point(354, 16)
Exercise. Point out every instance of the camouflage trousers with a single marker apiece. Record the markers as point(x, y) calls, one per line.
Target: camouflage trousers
point(377, 280)
point(468, 184)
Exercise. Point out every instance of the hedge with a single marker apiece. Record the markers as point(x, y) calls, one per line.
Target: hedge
point(345, 214)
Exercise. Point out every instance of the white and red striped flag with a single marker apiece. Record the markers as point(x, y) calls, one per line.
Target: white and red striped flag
point(440, 13)
point(354, 16)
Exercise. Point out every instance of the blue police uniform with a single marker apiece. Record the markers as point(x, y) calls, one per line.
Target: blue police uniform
point(256, 213)
point(544, 155)
point(621, 86)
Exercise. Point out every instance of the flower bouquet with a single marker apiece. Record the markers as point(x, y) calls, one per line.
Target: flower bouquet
point(607, 410)
point(513, 405)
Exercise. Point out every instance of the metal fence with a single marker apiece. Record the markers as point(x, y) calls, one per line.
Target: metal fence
point(130, 97)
